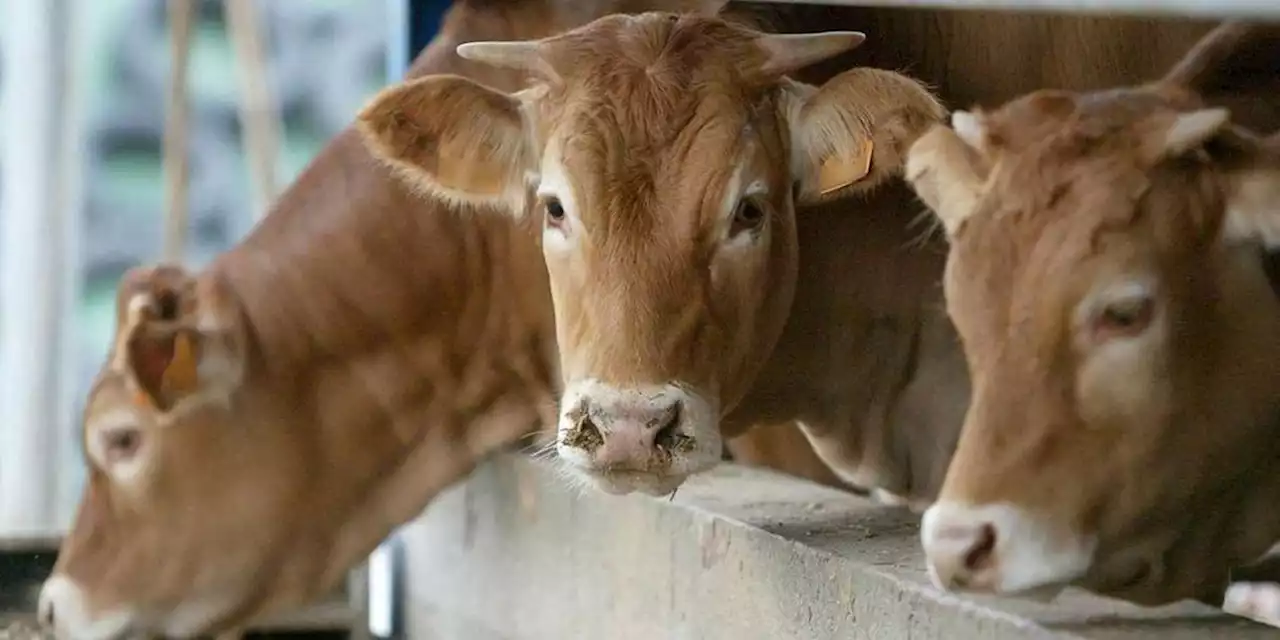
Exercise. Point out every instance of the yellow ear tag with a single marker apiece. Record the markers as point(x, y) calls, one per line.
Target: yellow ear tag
point(181, 375)
point(841, 170)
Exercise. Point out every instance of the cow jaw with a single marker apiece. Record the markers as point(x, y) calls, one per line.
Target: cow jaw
point(64, 608)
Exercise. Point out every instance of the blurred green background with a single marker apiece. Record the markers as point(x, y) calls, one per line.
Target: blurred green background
point(325, 58)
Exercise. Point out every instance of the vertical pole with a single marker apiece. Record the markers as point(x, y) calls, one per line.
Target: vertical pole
point(398, 53)
point(413, 24)
point(175, 147)
point(258, 111)
point(69, 201)
point(31, 249)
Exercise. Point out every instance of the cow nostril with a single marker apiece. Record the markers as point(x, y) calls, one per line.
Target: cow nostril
point(45, 615)
point(585, 436)
point(669, 437)
point(979, 555)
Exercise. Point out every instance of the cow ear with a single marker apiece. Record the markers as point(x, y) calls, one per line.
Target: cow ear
point(452, 138)
point(1171, 136)
point(852, 133)
point(947, 174)
point(1253, 200)
point(177, 338)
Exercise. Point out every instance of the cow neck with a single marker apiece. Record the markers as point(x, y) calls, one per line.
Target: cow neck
point(866, 335)
point(402, 339)
point(396, 338)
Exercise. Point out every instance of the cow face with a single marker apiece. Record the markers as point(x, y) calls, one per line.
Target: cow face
point(184, 499)
point(1121, 334)
point(665, 155)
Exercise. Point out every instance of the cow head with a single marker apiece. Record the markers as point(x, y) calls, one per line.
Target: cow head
point(166, 452)
point(665, 154)
point(1123, 340)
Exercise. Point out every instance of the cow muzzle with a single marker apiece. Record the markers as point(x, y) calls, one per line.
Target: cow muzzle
point(64, 610)
point(648, 438)
point(1001, 549)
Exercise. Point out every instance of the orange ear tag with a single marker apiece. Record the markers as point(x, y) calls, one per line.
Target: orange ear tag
point(181, 375)
point(141, 399)
point(841, 170)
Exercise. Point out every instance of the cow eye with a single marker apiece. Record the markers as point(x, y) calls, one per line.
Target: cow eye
point(554, 211)
point(1127, 317)
point(121, 444)
point(748, 216)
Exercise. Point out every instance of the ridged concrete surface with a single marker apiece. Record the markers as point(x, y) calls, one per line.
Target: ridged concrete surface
point(513, 553)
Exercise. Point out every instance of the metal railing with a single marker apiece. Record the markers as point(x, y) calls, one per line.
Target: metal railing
point(1254, 9)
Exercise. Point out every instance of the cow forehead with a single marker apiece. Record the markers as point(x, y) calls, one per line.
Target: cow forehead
point(648, 174)
point(638, 92)
point(1037, 243)
point(643, 155)
point(652, 114)
point(110, 394)
point(672, 51)
point(1055, 196)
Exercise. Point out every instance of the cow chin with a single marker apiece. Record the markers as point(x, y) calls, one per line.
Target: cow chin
point(64, 611)
point(656, 480)
point(623, 482)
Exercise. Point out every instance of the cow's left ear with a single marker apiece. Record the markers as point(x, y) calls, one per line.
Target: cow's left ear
point(947, 173)
point(178, 338)
point(1253, 200)
point(1249, 164)
point(852, 133)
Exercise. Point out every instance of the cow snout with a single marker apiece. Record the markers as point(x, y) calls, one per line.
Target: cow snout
point(963, 555)
point(62, 609)
point(633, 436)
point(44, 612)
point(637, 439)
point(1000, 549)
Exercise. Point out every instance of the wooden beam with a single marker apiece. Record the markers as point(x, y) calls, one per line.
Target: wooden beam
point(175, 152)
point(259, 113)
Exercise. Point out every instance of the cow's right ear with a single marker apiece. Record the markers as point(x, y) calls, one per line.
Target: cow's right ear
point(452, 138)
point(947, 172)
point(178, 338)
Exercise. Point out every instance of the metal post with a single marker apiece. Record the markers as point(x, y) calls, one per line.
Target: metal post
point(1215, 9)
point(34, 254)
point(413, 24)
point(69, 202)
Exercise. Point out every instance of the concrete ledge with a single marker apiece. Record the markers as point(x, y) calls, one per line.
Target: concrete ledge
point(739, 553)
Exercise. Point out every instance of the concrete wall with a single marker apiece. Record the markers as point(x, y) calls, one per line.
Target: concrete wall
point(737, 554)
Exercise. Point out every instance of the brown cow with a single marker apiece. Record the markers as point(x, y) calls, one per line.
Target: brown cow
point(667, 153)
point(1107, 279)
point(260, 426)
point(866, 360)
point(668, 339)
